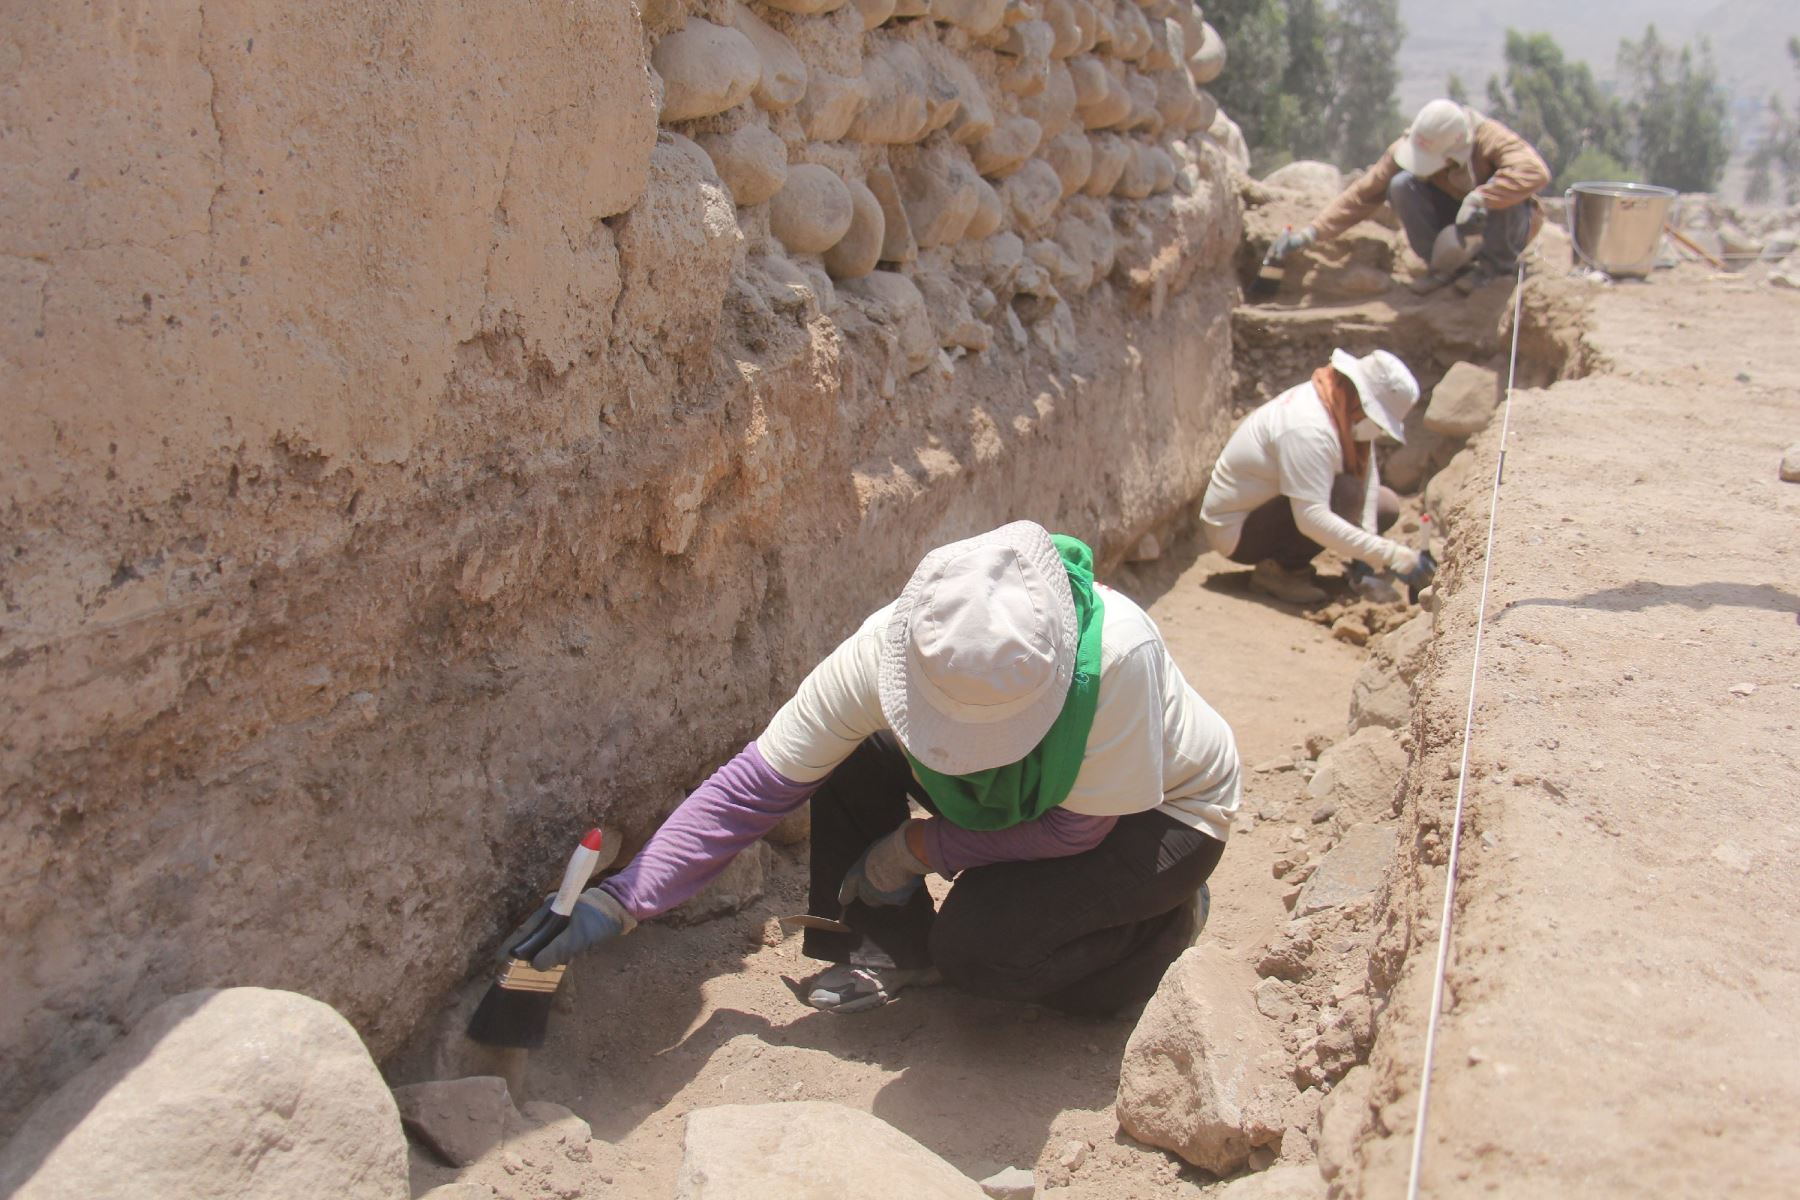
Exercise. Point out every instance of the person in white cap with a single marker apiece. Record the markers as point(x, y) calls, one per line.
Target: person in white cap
point(1299, 476)
point(1079, 792)
point(1452, 169)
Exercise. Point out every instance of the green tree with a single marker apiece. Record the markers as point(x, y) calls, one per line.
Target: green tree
point(1558, 107)
point(1677, 111)
point(1365, 110)
point(1308, 81)
point(1256, 33)
point(1779, 150)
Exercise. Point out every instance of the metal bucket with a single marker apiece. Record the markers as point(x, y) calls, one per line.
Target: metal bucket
point(1616, 227)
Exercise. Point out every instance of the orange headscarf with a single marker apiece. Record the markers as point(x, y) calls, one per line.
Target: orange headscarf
point(1339, 397)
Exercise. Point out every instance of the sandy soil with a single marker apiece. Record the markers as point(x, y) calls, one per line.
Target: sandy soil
point(1625, 990)
point(677, 1019)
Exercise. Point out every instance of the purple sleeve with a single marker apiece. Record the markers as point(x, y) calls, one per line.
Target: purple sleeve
point(1057, 834)
point(739, 803)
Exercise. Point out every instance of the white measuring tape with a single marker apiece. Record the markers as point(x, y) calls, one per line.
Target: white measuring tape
point(1462, 776)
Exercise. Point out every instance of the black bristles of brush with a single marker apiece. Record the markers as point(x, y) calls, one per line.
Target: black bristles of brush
point(513, 1018)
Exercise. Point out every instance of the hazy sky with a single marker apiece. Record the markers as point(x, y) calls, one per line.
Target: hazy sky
point(1466, 36)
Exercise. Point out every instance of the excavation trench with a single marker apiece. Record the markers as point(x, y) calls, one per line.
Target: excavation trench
point(692, 1011)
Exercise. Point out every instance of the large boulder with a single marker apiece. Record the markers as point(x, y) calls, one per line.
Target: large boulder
point(1464, 401)
point(242, 1093)
point(1204, 1073)
point(806, 1149)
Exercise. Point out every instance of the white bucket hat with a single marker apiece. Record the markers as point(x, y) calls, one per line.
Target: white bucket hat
point(978, 653)
point(1443, 130)
point(1387, 389)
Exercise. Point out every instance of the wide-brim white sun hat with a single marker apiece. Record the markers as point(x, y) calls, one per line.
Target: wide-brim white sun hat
point(979, 650)
point(1442, 129)
point(1386, 388)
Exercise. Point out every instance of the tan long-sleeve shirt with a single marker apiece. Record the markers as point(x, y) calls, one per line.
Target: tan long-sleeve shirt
point(1502, 166)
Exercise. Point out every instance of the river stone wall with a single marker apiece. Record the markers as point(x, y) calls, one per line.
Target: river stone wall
point(435, 427)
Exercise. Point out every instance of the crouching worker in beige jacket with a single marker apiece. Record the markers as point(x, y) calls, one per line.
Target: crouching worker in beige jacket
point(1299, 476)
point(1464, 187)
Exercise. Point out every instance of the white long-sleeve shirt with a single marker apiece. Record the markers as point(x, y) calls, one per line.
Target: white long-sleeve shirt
point(1289, 447)
point(1155, 744)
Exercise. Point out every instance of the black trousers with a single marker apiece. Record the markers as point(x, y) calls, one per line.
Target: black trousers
point(1090, 933)
point(1270, 532)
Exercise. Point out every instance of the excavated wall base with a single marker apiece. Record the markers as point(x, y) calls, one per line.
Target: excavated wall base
point(417, 456)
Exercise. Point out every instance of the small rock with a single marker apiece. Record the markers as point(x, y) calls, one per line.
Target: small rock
point(1261, 1159)
point(782, 80)
point(459, 1120)
point(1743, 689)
point(1350, 628)
point(1314, 178)
point(1269, 765)
point(1464, 401)
point(857, 252)
point(1273, 1001)
point(1324, 813)
point(737, 1151)
point(1790, 464)
point(812, 211)
point(1288, 1182)
point(1074, 1153)
point(1203, 1074)
point(1207, 60)
point(752, 161)
point(1014, 1183)
point(1352, 869)
point(705, 69)
point(1148, 549)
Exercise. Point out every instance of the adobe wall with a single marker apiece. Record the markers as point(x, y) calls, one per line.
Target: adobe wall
point(421, 444)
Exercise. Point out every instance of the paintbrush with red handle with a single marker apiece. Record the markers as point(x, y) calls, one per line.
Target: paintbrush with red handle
point(516, 1010)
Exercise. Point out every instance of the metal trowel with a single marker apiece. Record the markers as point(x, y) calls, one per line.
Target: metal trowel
point(813, 921)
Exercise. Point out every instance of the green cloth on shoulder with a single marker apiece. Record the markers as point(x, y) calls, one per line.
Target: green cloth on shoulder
point(1001, 797)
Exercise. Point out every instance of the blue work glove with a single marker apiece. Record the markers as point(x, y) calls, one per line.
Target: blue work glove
point(1423, 570)
point(597, 917)
point(887, 873)
point(1472, 217)
point(1289, 242)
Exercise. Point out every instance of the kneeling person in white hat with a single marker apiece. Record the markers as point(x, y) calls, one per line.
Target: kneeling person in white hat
point(1464, 187)
point(1079, 792)
point(1299, 476)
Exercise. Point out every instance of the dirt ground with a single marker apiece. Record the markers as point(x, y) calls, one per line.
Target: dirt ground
point(1624, 994)
point(1625, 984)
point(673, 1019)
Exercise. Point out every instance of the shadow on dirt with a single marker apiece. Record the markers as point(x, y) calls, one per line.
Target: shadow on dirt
point(1643, 594)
